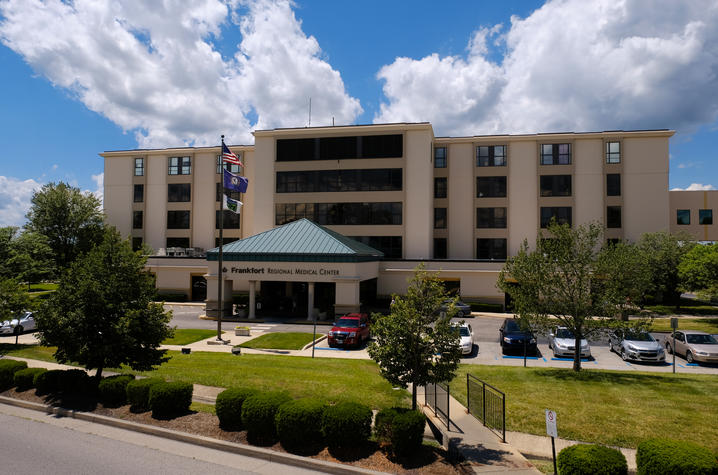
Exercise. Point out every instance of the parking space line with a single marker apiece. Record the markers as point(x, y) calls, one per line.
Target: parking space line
point(680, 365)
point(329, 349)
point(692, 364)
point(568, 359)
point(627, 363)
point(544, 359)
point(520, 357)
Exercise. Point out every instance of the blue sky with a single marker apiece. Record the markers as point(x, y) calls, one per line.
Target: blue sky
point(87, 76)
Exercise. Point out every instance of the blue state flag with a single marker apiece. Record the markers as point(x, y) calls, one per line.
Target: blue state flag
point(235, 182)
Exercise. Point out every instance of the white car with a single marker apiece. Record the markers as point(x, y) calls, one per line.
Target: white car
point(563, 343)
point(466, 338)
point(17, 326)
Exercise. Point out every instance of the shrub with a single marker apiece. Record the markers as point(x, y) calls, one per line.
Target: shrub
point(229, 407)
point(47, 382)
point(171, 296)
point(138, 393)
point(346, 424)
point(407, 432)
point(383, 422)
point(585, 459)
point(170, 399)
point(659, 456)
point(258, 413)
point(75, 381)
point(299, 423)
point(8, 368)
point(25, 378)
point(113, 390)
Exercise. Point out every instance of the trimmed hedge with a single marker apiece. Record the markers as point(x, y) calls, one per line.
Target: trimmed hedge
point(229, 407)
point(113, 389)
point(8, 368)
point(170, 399)
point(47, 382)
point(588, 459)
point(666, 456)
point(258, 413)
point(383, 422)
point(299, 423)
point(75, 381)
point(346, 424)
point(25, 378)
point(138, 393)
point(407, 432)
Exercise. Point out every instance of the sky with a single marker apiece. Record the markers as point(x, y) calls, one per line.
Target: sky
point(81, 77)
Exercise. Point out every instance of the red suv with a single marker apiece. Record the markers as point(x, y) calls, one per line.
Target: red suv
point(349, 330)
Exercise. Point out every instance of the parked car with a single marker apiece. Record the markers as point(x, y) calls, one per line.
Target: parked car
point(563, 343)
point(16, 326)
point(634, 345)
point(466, 338)
point(694, 345)
point(512, 338)
point(350, 330)
point(462, 309)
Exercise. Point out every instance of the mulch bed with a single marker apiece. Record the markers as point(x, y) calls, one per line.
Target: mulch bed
point(430, 460)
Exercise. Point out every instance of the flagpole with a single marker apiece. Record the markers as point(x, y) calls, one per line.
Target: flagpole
point(221, 243)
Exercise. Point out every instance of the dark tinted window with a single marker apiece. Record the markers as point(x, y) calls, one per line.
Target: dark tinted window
point(490, 217)
point(319, 181)
point(440, 157)
point(389, 245)
point(439, 218)
point(177, 242)
point(613, 184)
point(512, 326)
point(338, 148)
point(340, 213)
point(137, 220)
point(613, 217)
point(683, 216)
point(561, 213)
point(491, 249)
point(231, 220)
point(177, 219)
point(491, 186)
point(705, 216)
point(136, 243)
point(440, 187)
point(555, 185)
point(179, 192)
point(440, 251)
point(139, 194)
point(226, 240)
point(235, 195)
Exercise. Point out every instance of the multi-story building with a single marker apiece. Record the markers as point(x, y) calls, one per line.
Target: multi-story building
point(459, 204)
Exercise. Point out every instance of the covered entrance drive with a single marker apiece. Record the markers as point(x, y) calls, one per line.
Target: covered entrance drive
point(301, 268)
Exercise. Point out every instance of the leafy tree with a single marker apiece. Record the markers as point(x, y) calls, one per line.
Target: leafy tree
point(13, 299)
point(417, 344)
point(31, 258)
point(627, 276)
point(7, 235)
point(102, 314)
point(662, 253)
point(71, 220)
point(698, 271)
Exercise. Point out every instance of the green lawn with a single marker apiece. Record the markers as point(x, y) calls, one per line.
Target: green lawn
point(280, 341)
point(185, 336)
point(608, 407)
point(35, 352)
point(708, 325)
point(688, 307)
point(45, 286)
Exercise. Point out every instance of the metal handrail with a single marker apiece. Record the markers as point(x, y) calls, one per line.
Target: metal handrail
point(482, 416)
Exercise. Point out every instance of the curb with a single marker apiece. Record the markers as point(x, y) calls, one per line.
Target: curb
point(207, 442)
point(313, 343)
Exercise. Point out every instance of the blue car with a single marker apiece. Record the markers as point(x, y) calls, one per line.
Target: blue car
point(513, 339)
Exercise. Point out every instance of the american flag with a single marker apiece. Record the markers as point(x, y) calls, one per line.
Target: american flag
point(229, 157)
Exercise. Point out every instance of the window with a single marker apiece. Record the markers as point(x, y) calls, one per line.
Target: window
point(683, 217)
point(440, 157)
point(555, 185)
point(389, 245)
point(613, 152)
point(235, 195)
point(612, 241)
point(440, 248)
point(321, 181)
point(440, 185)
point(179, 166)
point(179, 192)
point(439, 218)
point(139, 195)
point(556, 154)
point(340, 213)
point(178, 242)
point(491, 187)
point(491, 249)
point(231, 220)
point(705, 216)
point(139, 166)
point(137, 220)
point(338, 148)
point(490, 217)
point(491, 156)
point(613, 217)
point(232, 167)
point(613, 184)
point(561, 213)
point(226, 240)
point(136, 243)
point(177, 219)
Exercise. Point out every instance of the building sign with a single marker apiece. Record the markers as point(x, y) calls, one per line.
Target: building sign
point(279, 271)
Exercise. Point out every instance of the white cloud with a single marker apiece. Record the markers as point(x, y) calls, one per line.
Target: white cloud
point(152, 68)
point(572, 65)
point(695, 187)
point(99, 192)
point(15, 195)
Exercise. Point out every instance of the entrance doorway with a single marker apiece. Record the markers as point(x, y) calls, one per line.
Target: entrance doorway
point(289, 299)
point(199, 288)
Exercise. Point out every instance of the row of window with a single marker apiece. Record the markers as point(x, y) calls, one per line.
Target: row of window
point(181, 219)
point(487, 249)
point(683, 216)
point(340, 213)
point(181, 193)
point(550, 185)
point(495, 218)
point(182, 166)
point(339, 148)
point(319, 181)
point(551, 154)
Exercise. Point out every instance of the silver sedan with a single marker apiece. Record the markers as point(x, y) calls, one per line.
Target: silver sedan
point(16, 326)
point(639, 346)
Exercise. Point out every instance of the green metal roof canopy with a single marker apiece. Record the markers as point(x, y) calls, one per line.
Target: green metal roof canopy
point(298, 241)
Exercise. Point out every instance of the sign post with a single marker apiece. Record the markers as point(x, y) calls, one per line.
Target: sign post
point(674, 327)
point(551, 430)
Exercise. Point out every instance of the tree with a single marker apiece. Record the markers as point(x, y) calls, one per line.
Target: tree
point(628, 276)
point(102, 314)
point(13, 299)
point(7, 235)
point(698, 271)
point(416, 343)
point(71, 220)
point(663, 253)
point(31, 258)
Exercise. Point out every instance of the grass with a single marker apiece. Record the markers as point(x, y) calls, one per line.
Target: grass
point(708, 325)
point(280, 341)
point(44, 286)
point(687, 307)
point(35, 352)
point(185, 336)
point(608, 407)
point(200, 407)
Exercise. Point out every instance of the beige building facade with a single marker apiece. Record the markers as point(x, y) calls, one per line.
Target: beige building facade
point(691, 212)
point(459, 204)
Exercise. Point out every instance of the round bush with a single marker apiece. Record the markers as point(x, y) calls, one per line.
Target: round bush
point(48, 382)
point(113, 389)
point(8, 368)
point(229, 407)
point(346, 424)
point(25, 378)
point(258, 413)
point(383, 422)
point(299, 423)
point(666, 456)
point(75, 381)
point(170, 399)
point(407, 432)
point(138, 393)
point(585, 459)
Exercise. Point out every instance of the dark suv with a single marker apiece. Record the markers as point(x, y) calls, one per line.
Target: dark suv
point(512, 338)
point(349, 330)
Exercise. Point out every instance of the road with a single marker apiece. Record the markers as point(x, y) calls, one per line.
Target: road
point(37, 443)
